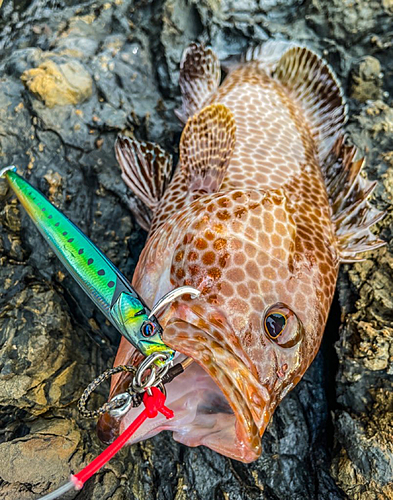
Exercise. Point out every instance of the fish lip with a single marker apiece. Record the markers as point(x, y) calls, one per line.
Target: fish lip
point(248, 398)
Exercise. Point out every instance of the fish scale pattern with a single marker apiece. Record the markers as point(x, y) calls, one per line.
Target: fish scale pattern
point(275, 150)
point(267, 238)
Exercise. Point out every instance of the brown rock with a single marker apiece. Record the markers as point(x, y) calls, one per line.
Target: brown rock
point(59, 84)
point(46, 449)
point(367, 80)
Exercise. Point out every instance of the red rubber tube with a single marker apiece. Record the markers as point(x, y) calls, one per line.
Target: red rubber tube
point(86, 473)
point(154, 403)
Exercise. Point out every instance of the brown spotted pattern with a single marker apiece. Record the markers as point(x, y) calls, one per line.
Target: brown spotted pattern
point(206, 147)
point(264, 242)
point(274, 150)
point(242, 249)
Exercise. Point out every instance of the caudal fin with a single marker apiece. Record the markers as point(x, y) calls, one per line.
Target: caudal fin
point(200, 74)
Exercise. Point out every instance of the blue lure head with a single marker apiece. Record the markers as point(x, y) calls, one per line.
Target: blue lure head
point(133, 321)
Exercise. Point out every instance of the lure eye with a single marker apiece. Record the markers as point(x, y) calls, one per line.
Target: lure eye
point(283, 326)
point(148, 329)
point(275, 323)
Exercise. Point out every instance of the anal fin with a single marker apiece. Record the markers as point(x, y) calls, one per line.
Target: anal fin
point(206, 147)
point(146, 170)
point(200, 75)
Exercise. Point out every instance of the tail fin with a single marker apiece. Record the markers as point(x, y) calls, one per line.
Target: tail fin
point(313, 84)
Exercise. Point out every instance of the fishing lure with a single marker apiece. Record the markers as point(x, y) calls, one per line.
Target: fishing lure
point(265, 203)
point(92, 270)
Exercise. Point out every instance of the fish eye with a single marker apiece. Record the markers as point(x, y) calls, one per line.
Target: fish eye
point(282, 326)
point(275, 323)
point(148, 329)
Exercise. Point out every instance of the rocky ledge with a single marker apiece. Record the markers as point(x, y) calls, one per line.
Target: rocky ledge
point(74, 74)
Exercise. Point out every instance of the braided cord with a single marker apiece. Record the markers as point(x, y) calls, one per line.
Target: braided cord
point(111, 405)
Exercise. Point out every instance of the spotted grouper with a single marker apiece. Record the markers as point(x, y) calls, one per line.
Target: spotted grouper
point(264, 204)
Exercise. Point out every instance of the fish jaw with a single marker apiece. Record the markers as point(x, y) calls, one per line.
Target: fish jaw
point(218, 401)
point(232, 424)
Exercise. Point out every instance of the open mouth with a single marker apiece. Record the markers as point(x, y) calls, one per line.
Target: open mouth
point(217, 401)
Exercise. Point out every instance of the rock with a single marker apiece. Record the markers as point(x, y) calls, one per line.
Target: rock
point(90, 70)
point(367, 80)
point(59, 84)
point(45, 449)
point(363, 466)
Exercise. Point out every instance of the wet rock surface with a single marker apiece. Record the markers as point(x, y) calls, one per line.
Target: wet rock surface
point(72, 75)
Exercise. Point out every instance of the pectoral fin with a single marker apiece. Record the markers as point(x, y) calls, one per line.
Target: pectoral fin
point(206, 147)
point(146, 170)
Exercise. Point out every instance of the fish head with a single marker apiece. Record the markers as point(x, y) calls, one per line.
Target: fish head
point(253, 330)
point(138, 327)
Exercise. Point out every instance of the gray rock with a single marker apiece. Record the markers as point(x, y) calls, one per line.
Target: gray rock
point(331, 437)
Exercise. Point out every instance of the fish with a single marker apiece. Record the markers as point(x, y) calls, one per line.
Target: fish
point(264, 204)
point(106, 286)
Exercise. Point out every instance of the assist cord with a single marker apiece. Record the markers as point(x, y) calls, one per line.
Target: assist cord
point(154, 400)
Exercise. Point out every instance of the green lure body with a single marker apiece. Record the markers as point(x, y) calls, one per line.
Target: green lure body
point(92, 270)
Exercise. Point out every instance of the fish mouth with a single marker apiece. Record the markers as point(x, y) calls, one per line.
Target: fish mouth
point(218, 401)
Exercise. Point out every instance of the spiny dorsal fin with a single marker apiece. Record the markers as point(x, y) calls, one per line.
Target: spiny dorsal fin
point(200, 75)
point(313, 84)
point(348, 192)
point(206, 146)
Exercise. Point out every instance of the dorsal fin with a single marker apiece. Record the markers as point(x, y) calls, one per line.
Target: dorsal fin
point(206, 146)
point(146, 169)
point(312, 82)
point(352, 214)
point(200, 75)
